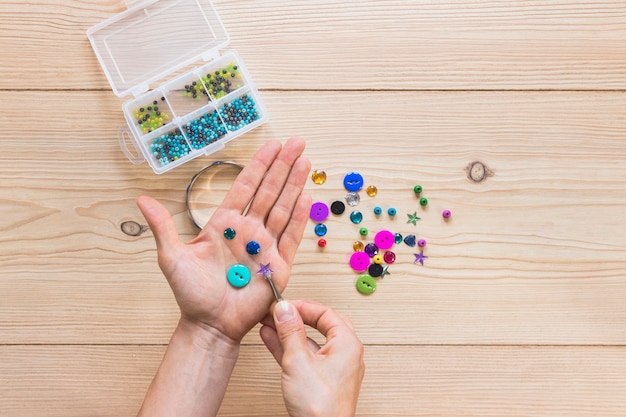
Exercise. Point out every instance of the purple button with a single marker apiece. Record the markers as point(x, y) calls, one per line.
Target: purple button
point(384, 239)
point(319, 212)
point(359, 261)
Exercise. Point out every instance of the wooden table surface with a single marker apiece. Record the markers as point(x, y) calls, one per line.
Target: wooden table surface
point(520, 308)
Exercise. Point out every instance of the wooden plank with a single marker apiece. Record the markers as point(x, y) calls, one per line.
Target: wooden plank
point(322, 44)
point(533, 254)
point(462, 381)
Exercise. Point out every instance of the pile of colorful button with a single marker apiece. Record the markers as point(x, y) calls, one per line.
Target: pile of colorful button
point(371, 260)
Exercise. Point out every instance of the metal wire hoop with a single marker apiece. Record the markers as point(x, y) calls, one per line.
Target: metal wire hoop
point(193, 181)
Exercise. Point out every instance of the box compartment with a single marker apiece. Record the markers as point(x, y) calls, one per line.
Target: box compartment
point(192, 114)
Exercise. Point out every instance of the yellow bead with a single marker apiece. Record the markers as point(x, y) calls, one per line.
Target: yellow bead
point(372, 190)
point(318, 176)
point(377, 259)
point(358, 246)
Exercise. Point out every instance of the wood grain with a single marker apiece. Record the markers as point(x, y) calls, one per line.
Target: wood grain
point(462, 381)
point(324, 44)
point(545, 268)
point(519, 309)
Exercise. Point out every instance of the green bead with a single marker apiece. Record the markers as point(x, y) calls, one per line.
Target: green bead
point(363, 231)
point(417, 189)
point(423, 202)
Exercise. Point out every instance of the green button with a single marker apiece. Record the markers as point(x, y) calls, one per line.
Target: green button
point(365, 284)
point(238, 275)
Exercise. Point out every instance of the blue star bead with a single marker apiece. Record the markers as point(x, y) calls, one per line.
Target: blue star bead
point(413, 218)
point(419, 257)
point(265, 271)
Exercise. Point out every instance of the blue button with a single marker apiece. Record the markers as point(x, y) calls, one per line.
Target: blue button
point(238, 275)
point(353, 181)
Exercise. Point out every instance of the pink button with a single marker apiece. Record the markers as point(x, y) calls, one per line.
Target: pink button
point(359, 261)
point(384, 239)
point(319, 212)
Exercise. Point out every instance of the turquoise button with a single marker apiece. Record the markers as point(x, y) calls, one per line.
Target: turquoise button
point(238, 275)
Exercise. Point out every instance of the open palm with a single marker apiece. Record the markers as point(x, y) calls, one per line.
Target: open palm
point(270, 188)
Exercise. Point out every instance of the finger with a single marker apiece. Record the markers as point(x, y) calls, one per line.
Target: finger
point(292, 236)
point(328, 322)
point(290, 328)
point(160, 222)
point(281, 212)
point(249, 179)
point(272, 343)
point(272, 185)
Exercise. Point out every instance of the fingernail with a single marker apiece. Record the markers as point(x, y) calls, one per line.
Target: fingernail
point(283, 311)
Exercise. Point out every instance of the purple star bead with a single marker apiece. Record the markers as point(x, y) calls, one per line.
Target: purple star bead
point(419, 257)
point(265, 271)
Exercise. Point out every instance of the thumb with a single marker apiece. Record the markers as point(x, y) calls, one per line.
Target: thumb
point(160, 222)
point(290, 328)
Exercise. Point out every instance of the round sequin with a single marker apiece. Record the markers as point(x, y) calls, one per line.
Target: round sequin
point(320, 229)
point(337, 207)
point(372, 191)
point(389, 257)
point(358, 246)
point(318, 176)
point(356, 217)
point(384, 239)
point(229, 233)
point(353, 199)
point(371, 249)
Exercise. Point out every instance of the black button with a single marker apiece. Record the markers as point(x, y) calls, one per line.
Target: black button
point(375, 270)
point(337, 207)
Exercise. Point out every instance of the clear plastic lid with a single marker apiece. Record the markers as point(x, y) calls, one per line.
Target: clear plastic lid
point(155, 38)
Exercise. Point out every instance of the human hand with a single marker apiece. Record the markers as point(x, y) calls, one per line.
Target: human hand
point(271, 184)
point(316, 381)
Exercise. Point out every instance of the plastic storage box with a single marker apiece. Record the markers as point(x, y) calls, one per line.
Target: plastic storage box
point(199, 110)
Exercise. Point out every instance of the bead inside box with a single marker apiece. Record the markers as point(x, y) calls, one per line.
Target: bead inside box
point(194, 111)
point(197, 112)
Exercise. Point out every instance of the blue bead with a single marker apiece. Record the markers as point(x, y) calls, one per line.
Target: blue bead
point(253, 247)
point(377, 210)
point(356, 217)
point(391, 211)
point(320, 229)
point(410, 240)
